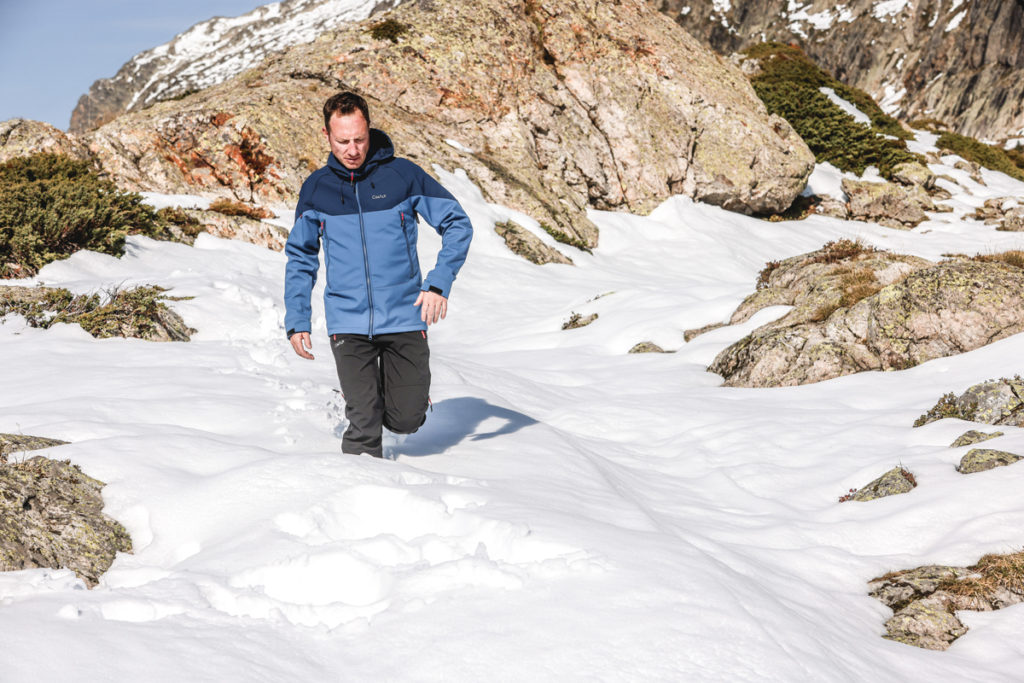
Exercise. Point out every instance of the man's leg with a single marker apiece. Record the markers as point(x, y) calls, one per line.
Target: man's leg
point(356, 357)
point(405, 380)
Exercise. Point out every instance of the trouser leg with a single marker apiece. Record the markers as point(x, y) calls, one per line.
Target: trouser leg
point(357, 360)
point(405, 380)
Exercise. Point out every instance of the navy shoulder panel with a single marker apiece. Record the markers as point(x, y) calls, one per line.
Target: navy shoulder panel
point(420, 182)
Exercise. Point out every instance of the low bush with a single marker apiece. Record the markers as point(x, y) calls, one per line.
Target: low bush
point(389, 29)
point(988, 156)
point(789, 85)
point(138, 312)
point(52, 206)
point(230, 207)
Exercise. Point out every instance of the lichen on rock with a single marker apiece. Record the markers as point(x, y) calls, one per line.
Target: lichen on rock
point(942, 310)
point(925, 599)
point(16, 443)
point(524, 243)
point(982, 459)
point(647, 347)
point(895, 481)
point(51, 516)
point(995, 402)
point(973, 436)
point(889, 204)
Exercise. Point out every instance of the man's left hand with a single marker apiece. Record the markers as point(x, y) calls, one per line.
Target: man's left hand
point(434, 307)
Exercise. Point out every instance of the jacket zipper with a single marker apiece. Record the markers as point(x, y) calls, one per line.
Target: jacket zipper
point(408, 247)
point(366, 255)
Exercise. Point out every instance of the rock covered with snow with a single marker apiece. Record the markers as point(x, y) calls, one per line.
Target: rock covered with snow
point(51, 515)
point(947, 309)
point(565, 107)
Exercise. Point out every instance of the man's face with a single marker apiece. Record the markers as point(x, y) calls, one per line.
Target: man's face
point(349, 138)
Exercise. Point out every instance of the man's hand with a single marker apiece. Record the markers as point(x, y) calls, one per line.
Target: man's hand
point(300, 342)
point(434, 307)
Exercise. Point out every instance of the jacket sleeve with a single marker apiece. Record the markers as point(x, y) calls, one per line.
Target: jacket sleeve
point(441, 210)
point(303, 251)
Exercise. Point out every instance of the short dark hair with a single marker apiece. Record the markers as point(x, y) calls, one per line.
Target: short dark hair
point(344, 103)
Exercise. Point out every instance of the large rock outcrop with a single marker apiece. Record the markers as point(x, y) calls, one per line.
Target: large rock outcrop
point(961, 62)
point(947, 309)
point(550, 107)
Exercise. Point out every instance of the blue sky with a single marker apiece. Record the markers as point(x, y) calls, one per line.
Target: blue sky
point(51, 51)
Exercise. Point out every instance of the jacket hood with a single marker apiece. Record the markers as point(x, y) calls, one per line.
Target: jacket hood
point(381, 150)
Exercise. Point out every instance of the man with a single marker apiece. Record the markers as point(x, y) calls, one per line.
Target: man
point(362, 207)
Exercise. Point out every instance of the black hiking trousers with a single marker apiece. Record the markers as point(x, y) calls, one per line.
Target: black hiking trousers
point(385, 381)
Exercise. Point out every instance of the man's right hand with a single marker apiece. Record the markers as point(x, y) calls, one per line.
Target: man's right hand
point(301, 342)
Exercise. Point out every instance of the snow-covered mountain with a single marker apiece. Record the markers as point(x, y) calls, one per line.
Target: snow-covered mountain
point(960, 61)
point(213, 51)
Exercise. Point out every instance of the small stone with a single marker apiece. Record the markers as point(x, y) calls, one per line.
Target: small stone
point(647, 347)
point(973, 436)
point(895, 481)
point(926, 623)
point(981, 459)
point(913, 173)
point(524, 243)
point(577, 320)
point(833, 207)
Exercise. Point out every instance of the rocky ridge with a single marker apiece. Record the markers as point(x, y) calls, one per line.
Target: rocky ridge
point(919, 59)
point(211, 52)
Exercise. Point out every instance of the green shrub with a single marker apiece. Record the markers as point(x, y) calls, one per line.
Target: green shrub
point(1016, 155)
point(138, 312)
point(789, 85)
point(52, 205)
point(980, 153)
point(389, 29)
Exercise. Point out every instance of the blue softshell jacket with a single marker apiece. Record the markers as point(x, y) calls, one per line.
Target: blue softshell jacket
point(365, 221)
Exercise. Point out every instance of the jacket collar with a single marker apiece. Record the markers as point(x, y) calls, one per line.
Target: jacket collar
point(381, 150)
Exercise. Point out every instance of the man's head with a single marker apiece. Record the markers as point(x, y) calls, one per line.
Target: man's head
point(347, 128)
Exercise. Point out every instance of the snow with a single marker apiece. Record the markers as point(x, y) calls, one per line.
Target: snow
point(568, 512)
point(889, 8)
point(891, 99)
point(847, 107)
point(955, 21)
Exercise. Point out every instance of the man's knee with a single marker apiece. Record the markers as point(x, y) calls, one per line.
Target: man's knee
point(405, 422)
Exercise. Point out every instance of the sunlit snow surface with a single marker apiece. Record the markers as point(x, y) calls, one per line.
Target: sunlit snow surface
point(568, 512)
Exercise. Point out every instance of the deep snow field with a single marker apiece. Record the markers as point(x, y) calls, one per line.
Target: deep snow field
point(568, 512)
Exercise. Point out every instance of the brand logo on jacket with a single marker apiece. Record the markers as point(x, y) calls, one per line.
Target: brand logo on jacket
point(378, 196)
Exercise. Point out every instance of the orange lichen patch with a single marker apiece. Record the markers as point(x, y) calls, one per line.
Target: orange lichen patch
point(220, 118)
